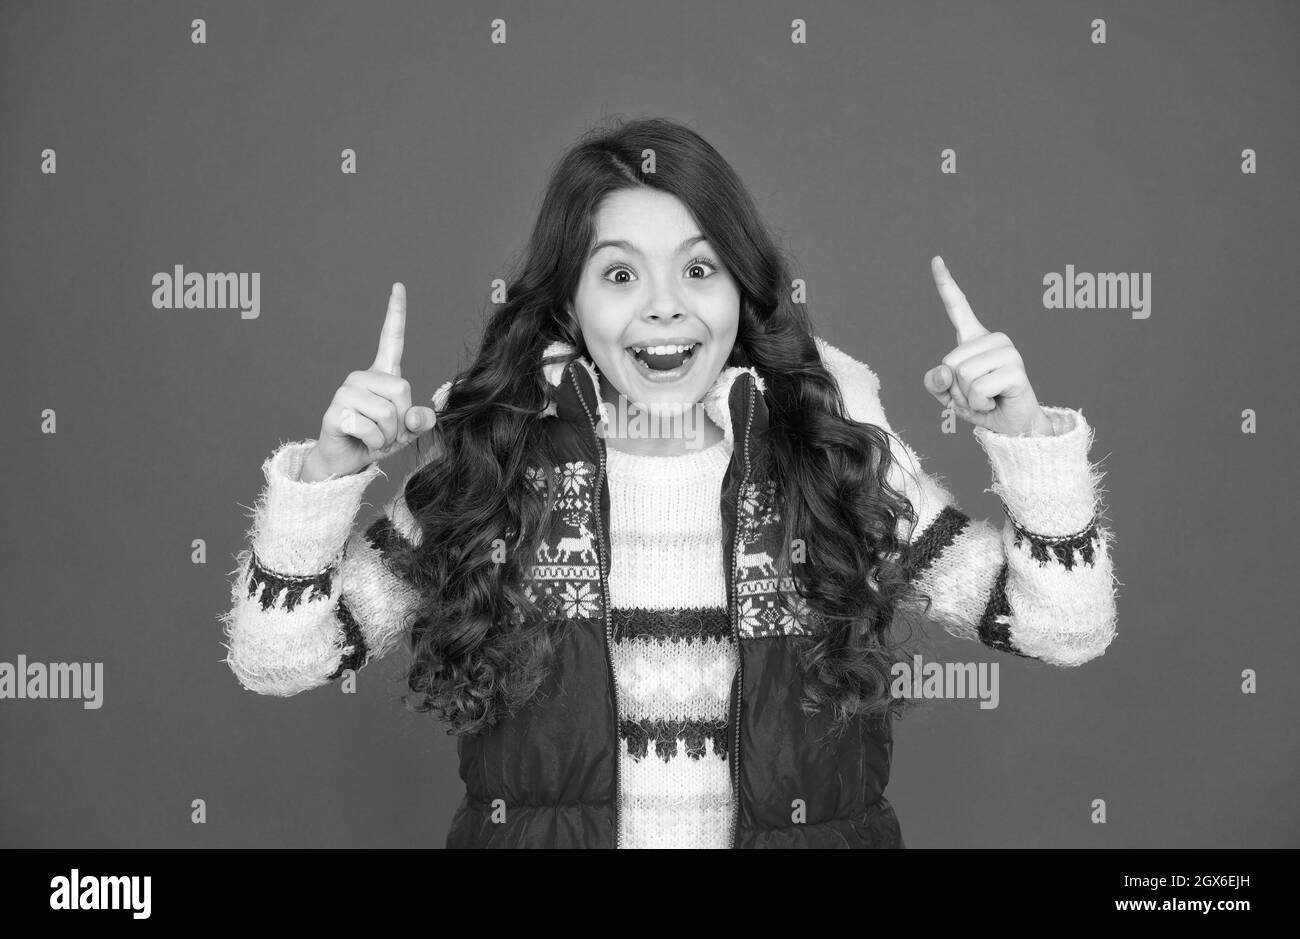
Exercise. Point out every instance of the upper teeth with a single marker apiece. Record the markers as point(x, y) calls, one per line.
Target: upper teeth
point(663, 350)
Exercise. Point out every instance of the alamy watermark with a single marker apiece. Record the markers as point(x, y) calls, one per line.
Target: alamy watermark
point(918, 679)
point(84, 680)
point(1084, 291)
point(194, 291)
point(76, 892)
point(655, 421)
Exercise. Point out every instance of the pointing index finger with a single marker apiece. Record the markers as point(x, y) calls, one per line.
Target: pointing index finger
point(960, 314)
point(391, 337)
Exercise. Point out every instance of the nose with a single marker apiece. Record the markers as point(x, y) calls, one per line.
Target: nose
point(664, 304)
point(664, 308)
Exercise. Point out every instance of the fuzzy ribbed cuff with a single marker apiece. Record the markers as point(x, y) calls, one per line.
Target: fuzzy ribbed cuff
point(300, 527)
point(1046, 482)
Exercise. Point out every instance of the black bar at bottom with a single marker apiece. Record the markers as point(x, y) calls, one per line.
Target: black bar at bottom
point(257, 889)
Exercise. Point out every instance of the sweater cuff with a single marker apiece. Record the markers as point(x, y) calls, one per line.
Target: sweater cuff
point(1046, 482)
point(300, 527)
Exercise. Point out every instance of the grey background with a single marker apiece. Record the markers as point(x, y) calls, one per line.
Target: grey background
point(225, 157)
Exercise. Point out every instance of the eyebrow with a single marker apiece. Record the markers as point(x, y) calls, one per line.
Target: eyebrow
point(628, 246)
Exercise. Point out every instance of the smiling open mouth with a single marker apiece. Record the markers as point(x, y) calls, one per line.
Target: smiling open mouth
point(662, 358)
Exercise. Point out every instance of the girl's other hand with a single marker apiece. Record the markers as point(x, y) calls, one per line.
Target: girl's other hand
point(983, 379)
point(371, 416)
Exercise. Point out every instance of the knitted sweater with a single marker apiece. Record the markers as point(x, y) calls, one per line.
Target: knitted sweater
point(674, 655)
point(311, 589)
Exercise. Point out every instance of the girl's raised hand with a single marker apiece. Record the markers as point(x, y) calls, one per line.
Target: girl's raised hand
point(371, 416)
point(984, 377)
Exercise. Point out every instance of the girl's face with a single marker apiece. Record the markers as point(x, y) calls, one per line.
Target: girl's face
point(650, 281)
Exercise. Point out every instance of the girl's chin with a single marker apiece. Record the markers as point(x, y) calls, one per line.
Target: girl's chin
point(660, 396)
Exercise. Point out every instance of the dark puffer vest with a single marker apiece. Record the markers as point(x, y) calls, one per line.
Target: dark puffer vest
point(548, 777)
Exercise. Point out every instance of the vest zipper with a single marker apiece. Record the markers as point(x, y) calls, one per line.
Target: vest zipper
point(609, 619)
point(735, 624)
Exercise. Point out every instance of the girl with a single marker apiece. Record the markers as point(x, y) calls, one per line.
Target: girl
point(681, 638)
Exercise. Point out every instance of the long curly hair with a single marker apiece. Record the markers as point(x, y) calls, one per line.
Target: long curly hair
point(481, 647)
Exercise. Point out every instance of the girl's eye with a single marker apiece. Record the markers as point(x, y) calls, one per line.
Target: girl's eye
point(693, 263)
point(616, 267)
